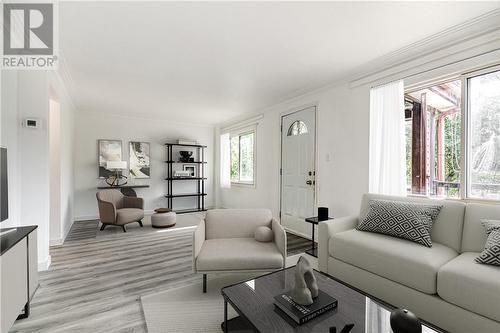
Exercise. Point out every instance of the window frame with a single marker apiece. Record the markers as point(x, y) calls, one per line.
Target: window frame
point(465, 145)
point(239, 133)
point(466, 183)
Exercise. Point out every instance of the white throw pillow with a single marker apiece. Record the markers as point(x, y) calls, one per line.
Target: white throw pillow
point(263, 234)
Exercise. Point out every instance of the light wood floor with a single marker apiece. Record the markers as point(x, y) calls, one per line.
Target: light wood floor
point(94, 283)
point(96, 278)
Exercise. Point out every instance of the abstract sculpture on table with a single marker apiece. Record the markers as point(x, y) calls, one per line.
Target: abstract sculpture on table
point(306, 287)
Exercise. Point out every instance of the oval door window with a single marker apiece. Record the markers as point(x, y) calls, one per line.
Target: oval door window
point(296, 128)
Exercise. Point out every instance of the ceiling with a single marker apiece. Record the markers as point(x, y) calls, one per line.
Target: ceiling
point(204, 62)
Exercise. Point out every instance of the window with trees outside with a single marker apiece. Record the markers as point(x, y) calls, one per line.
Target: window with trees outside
point(243, 157)
point(439, 132)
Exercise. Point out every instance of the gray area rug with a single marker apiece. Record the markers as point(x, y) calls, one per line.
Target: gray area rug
point(187, 309)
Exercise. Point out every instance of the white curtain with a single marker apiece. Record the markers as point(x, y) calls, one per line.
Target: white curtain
point(225, 161)
point(387, 140)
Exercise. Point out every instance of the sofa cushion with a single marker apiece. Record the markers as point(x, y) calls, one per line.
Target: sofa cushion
point(399, 260)
point(491, 252)
point(238, 254)
point(474, 233)
point(263, 234)
point(407, 220)
point(446, 230)
point(127, 215)
point(470, 285)
point(235, 223)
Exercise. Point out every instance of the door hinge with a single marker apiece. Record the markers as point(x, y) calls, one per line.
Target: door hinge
point(280, 214)
point(281, 171)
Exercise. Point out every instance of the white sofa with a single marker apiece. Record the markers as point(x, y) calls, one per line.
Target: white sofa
point(441, 284)
point(224, 242)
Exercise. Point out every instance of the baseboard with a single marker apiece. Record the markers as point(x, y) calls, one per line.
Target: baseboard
point(96, 217)
point(85, 218)
point(60, 241)
point(44, 265)
point(67, 230)
point(56, 242)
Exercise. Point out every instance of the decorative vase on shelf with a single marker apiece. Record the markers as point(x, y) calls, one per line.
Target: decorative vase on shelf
point(185, 155)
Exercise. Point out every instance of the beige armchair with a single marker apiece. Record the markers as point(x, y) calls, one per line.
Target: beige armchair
point(224, 242)
point(117, 209)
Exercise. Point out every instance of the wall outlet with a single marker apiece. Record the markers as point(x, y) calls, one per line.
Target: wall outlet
point(31, 123)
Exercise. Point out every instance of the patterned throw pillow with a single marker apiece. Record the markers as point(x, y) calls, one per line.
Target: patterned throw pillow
point(407, 220)
point(491, 252)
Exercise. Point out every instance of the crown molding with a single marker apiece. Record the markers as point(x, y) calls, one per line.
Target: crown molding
point(481, 34)
point(63, 76)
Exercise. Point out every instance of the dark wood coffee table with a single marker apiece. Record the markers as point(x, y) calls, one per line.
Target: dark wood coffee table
point(253, 300)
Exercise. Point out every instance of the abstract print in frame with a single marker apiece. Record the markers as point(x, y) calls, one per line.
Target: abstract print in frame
point(109, 150)
point(140, 166)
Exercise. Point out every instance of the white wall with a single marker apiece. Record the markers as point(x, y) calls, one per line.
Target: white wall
point(342, 153)
point(343, 121)
point(55, 169)
point(63, 201)
point(9, 138)
point(25, 94)
point(92, 126)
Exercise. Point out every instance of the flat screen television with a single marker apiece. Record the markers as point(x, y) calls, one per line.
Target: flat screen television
point(4, 191)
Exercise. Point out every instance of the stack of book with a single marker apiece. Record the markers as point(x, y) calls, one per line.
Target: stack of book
point(303, 313)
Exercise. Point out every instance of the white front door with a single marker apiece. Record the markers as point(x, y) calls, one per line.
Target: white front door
point(298, 170)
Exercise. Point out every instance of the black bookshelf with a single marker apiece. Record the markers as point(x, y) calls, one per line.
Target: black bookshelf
point(200, 177)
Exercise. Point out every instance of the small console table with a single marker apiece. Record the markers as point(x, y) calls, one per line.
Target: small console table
point(127, 190)
point(19, 274)
point(314, 221)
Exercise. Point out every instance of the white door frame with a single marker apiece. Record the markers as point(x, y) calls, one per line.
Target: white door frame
point(280, 194)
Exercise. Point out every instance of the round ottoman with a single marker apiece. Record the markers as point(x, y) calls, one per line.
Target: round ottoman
point(163, 220)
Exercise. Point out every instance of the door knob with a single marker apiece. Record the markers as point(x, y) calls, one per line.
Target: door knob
point(309, 182)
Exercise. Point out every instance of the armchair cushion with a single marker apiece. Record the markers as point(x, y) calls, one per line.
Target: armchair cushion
point(238, 254)
point(235, 223)
point(263, 234)
point(127, 215)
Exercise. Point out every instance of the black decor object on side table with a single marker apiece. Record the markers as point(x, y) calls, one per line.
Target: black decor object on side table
point(322, 213)
point(322, 216)
point(404, 321)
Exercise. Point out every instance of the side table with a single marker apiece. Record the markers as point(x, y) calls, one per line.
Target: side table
point(313, 251)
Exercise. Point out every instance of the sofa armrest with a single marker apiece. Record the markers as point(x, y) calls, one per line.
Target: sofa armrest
point(279, 238)
point(133, 202)
point(325, 231)
point(198, 239)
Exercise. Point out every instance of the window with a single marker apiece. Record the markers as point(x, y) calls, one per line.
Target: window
point(296, 128)
point(243, 158)
point(435, 141)
point(484, 136)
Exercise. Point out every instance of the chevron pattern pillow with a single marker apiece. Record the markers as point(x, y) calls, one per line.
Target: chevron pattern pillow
point(491, 252)
point(407, 220)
